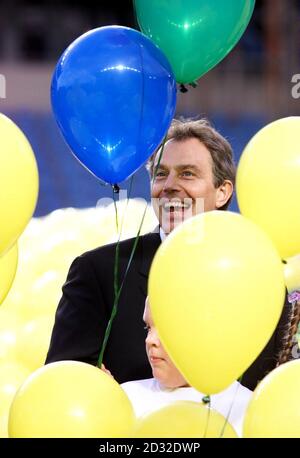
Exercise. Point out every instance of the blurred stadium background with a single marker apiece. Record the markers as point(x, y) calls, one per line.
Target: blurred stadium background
point(249, 88)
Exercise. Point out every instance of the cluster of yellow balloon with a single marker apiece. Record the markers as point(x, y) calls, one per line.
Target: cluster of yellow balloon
point(46, 248)
point(18, 196)
point(223, 280)
point(215, 280)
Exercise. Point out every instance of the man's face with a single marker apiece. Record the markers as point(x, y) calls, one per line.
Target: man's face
point(163, 368)
point(183, 186)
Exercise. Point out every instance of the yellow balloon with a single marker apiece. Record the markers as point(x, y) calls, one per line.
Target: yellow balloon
point(9, 327)
point(18, 182)
point(12, 375)
point(292, 273)
point(184, 419)
point(70, 399)
point(274, 410)
point(43, 295)
point(8, 268)
point(268, 178)
point(33, 340)
point(216, 279)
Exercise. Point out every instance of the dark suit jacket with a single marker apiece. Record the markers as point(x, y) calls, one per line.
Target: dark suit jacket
point(86, 305)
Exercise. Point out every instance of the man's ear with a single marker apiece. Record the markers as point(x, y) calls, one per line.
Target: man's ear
point(224, 193)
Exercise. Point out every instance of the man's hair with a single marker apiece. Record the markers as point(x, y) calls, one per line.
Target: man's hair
point(223, 167)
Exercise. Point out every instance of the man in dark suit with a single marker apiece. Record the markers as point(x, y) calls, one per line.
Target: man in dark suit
point(194, 173)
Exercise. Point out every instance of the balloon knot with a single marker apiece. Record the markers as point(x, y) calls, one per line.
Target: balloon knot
point(116, 188)
point(206, 399)
point(183, 89)
point(193, 84)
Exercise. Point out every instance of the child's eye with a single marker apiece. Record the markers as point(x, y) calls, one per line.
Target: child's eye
point(147, 328)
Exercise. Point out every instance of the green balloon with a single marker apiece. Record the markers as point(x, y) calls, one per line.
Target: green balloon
point(194, 34)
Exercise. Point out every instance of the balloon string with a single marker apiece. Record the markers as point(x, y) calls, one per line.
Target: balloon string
point(116, 211)
point(142, 96)
point(231, 406)
point(117, 291)
point(206, 400)
point(158, 162)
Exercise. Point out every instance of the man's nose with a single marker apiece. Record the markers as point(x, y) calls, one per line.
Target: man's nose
point(171, 184)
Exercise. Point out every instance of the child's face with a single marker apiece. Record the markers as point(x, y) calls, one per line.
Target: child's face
point(163, 368)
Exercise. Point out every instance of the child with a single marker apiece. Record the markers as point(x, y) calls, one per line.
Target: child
point(168, 385)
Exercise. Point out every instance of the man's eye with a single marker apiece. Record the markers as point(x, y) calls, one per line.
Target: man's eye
point(187, 173)
point(160, 174)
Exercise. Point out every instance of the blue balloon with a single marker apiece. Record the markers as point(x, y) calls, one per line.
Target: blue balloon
point(113, 95)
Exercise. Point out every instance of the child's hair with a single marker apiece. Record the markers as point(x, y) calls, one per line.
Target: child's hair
point(290, 333)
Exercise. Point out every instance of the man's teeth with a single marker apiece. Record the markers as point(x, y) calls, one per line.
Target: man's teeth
point(175, 205)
